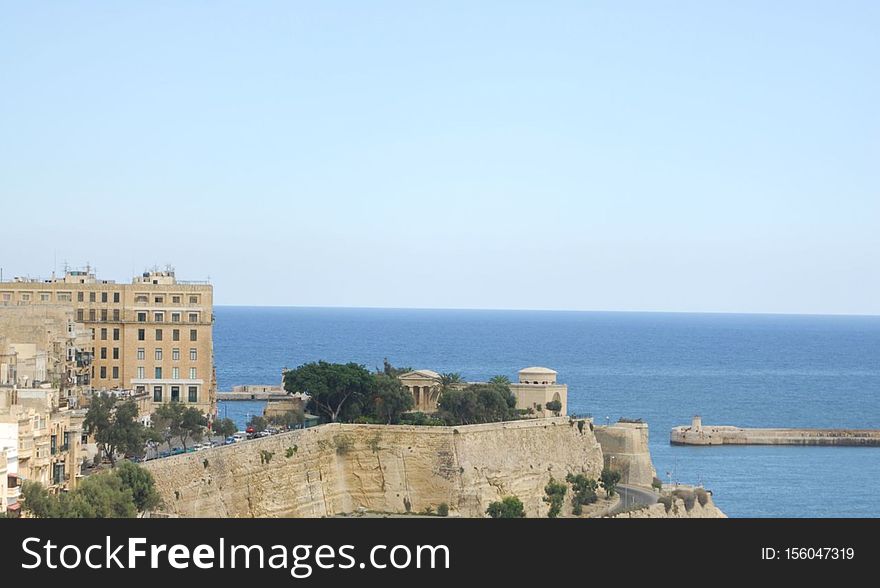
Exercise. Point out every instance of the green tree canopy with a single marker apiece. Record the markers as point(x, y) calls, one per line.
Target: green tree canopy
point(258, 423)
point(609, 480)
point(337, 392)
point(140, 483)
point(289, 419)
point(477, 403)
point(224, 427)
point(115, 427)
point(121, 492)
point(509, 507)
point(390, 399)
point(175, 420)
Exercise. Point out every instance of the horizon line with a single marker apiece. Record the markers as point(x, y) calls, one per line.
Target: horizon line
point(559, 310)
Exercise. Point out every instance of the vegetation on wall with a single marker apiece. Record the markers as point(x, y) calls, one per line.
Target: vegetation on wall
point(554, 495)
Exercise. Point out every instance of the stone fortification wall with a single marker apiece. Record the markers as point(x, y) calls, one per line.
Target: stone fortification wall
point(343, 468)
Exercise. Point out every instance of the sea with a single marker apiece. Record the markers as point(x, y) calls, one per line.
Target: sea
point(732, 369)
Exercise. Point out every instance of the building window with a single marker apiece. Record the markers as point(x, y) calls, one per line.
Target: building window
point(158, 334)
point(159, 299)
point(116, 314)
point(116, 334)
point(103, 334)
point(116, 353)
point(175, 299)
point(140, 372)
point(158, 373)
point(175, 335)
point(157, 393)
point(103, 297)
point(175, 373)
point(193, 354)
point(193, 317)
point(142, 317)
point(158, 354)
point(141, 299)
point(193, 335)
point(175, 393)
point(175, 317)
point(44, 297)
point(140, 353)
point(142, 334)
point(103, 314)
point(92, 314)
point(80, 314)
point(7, 297)
point(159, 317)
point(25, 297)
point(193, 299)
point(103, 353)
point(192, 373)
point(64, 297)
point(175, 354)
point(193, 393)
point(79, 296)
point(91, 296)
point(104, 372)
point(116, 297)
point(115, 372)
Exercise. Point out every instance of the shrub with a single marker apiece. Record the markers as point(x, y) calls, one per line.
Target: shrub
point(657, 483)
point(555, 494)
point(443, 510)
point(687, 496)
point(509, 507)
point(666, 501)
point(702, 496)
point(583, 492)
point(266, 456)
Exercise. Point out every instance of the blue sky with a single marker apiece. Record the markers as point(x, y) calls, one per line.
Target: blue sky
point(678, 156)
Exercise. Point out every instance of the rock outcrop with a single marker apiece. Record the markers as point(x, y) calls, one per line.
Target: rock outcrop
point(344, 468)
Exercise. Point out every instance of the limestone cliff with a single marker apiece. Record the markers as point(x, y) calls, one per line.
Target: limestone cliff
point(677, 510)
point(342, 468)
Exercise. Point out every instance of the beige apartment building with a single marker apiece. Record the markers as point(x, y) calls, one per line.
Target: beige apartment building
point(153, 336)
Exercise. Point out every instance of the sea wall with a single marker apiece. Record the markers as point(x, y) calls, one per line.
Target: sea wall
point(727, 435)
point(625, 449)
point(343, 468)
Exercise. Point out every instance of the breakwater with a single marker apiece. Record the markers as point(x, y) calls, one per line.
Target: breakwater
point(699, 434)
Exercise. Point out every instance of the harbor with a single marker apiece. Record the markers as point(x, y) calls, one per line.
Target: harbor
point(699, 434)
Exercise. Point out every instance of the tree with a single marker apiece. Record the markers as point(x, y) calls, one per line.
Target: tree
point(554, 406)
point(583, 491)
point(115, 427)
point(609, 479)
point(554, 495)
point(141, 484)
point(509, 507)
point(258, 423)
point(450, 379)
point(174, 420)
point(101, 496)
point(390, 370)
point(192, 425)
point(224, 427)
point(289, 420)
point(477, 403)
point(37, 500)
point(390, 399)
point(336, 391)
point(166, 421)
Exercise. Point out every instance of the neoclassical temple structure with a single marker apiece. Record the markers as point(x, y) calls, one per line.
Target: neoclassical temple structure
point(536, 386)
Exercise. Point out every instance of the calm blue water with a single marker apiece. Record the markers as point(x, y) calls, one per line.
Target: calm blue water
point(748, 370)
